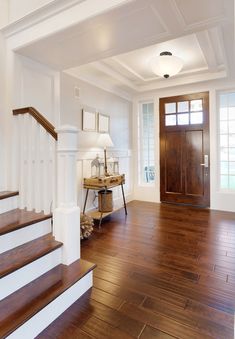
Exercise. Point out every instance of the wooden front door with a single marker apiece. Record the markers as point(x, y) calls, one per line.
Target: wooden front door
point(185, 149)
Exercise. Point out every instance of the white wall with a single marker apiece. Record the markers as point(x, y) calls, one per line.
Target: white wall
point(38, 86)
point(219, 200)
point(120, 112)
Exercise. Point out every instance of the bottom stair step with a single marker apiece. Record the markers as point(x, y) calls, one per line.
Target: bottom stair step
point(26, 312)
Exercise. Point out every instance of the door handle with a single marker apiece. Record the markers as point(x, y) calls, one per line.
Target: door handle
point(206, 161)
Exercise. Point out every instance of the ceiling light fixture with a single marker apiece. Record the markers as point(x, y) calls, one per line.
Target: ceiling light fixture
point(166, 64)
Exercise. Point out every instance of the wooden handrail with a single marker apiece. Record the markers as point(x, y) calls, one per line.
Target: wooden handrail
point(39, 117)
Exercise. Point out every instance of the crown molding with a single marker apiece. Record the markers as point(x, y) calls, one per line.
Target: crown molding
point(38, 15)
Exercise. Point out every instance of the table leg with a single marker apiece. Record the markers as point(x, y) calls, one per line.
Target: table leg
point(124, 200)
point(101, 217)
point(84, 207)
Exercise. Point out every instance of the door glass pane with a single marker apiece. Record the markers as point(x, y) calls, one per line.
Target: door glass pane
point(231, 113)
point(223, 127)
point(231, 127)
point(232, 182)
point(223, 140)
point(232, 168)
point(170, 108)
point(224, 154)
point(224, 167)
point(224, 181)
point(231, 154)
point(223, 113)
point(183, 106)
point(171, 120)
point(232, 140)
point(196, 105)
point(196, 118)
point(183, 119)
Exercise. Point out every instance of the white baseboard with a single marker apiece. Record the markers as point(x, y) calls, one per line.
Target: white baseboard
point(17, 279)
point(48, 314)
point(8, 204)
point(19, 237)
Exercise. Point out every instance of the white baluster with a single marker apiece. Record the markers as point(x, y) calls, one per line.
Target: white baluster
point(37, 176)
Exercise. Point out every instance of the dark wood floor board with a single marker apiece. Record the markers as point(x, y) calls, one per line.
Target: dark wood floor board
point(151, 333)
point(114, 318)
point(162, 323)
point(164, 271)
point(100, 329)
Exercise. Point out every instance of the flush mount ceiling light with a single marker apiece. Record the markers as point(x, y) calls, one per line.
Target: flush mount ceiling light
point(166, 64)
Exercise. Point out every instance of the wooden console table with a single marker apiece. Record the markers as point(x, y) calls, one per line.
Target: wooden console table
point(103, 183)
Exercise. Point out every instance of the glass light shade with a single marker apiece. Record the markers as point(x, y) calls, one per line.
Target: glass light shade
point(104, 140)
point(166, 65)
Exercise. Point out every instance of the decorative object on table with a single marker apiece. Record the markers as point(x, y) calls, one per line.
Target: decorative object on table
point(86, 226)
point(88, 121)
point(105, 201)
point(97, 166)
point(103, 123)
point(105, 141)
point(113, 166)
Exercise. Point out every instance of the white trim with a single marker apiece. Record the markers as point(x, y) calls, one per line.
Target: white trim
point(53, 310)
point(23, 235)
point(14, 281)
point(8, 204)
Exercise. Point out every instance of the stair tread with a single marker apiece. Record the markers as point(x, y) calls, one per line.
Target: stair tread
point(22, 255)
point(8, 194)
point(18, 218)
point(21, 305)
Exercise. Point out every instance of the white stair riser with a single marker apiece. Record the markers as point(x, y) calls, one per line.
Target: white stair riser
point(19, 237)
point(14, 281)
point(8, 204)
point(48, 314)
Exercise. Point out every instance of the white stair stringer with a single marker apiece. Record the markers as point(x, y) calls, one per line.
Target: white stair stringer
point(25, 234)
point(24, 275)
point(9, 204)
point(35, 325)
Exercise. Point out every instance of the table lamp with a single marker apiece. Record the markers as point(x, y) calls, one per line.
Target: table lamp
point(105, 141)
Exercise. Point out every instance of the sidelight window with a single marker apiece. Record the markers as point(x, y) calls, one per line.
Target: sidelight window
point(146, 143)
point(227, 140)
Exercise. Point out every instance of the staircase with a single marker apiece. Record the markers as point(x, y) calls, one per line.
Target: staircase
point(35, 287)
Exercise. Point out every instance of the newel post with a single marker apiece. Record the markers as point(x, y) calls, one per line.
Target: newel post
point(66, 216)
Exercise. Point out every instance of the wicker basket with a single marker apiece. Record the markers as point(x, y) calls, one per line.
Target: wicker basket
point(105, 201)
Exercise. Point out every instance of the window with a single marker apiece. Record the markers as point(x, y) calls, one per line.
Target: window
point(146, 143)
point(227, 140)
point(184, 113)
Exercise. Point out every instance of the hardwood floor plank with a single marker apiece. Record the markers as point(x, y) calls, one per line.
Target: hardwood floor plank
point(151, 333)
point(164, 271)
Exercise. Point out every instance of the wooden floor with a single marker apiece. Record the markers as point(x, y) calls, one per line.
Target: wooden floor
point(164, 271)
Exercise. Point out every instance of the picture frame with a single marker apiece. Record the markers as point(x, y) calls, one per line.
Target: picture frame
point(88, 121)
point(103, 123)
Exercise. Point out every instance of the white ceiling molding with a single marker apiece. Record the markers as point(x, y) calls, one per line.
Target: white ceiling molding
point(177, 81)
point(207, 22)
point(207, 49)
point(112, 73)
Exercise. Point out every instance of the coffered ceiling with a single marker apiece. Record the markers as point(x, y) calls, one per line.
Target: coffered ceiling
point(115, 48)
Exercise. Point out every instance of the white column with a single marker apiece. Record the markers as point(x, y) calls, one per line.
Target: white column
point(66, 217)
